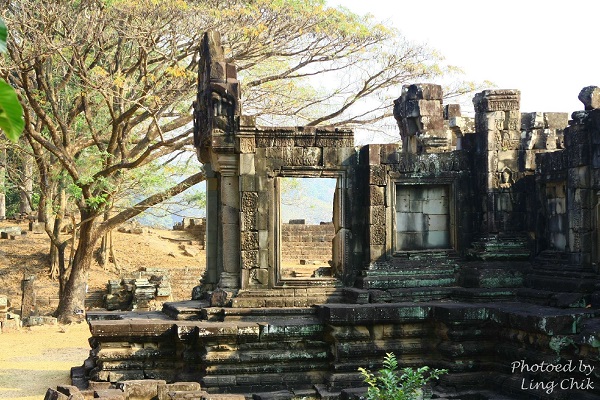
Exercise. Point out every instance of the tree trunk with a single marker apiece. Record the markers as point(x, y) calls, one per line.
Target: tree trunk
point(2, 181)
point(26, 192)
point(102, 252)
point(71, 306)
point(57, 265)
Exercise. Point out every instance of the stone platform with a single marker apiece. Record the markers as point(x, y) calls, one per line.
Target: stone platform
point(314, 352)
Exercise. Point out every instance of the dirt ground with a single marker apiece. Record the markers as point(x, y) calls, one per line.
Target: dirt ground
point(156, 248)
point(33, 359)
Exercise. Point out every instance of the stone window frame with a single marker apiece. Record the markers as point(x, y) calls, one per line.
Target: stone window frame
point(342, 185)
point(451, 183)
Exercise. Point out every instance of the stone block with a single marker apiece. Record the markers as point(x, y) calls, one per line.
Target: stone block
point(98, 385)
point(590, 97)
point(497, 100)
point(556, 120)
point(377, 215)
point(437, 222)
point(411, 221)
point(422, 91)
point(145, 389)
point(164, 388)
point(376, 252)
point(246, 144)
point(370, 154)
point(52, 394)
point(259, 276)
point(185, 395)
point(248, 183)
point(377, 175)
point(11, 325)
point(247, 164)
point(451, 111)
point(376, 195)
point(376, 235)
point(249, 259)
point(110, 394)
point(249, 241)
point(71, 391)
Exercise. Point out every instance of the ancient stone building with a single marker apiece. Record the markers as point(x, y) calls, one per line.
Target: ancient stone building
point(472, 246)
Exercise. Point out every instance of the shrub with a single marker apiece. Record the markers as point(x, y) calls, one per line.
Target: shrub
point(392, 383)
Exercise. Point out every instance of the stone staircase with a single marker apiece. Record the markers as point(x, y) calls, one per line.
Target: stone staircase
point(552, 280)
point(416, 275)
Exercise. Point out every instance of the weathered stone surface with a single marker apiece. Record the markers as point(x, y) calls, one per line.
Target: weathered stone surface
point(590, 97)
point(497, 100)
point(249, 241)
point(140, 389)
point(110, 394)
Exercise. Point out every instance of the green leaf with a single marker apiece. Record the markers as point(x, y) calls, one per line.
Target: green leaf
point(3, 36)
point(11, 112)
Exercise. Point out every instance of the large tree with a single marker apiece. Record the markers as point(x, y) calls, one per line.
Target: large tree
point(107, 87)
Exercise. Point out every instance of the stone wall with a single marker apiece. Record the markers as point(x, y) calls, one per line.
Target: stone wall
point(306, 242)
point(195, 225)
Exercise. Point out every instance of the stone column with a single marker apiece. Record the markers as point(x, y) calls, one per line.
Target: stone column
point(213, 266)
point(498, 123)
point(28, 299)
point(230, 227)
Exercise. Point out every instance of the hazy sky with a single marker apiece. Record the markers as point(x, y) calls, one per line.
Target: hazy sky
point(547, 49)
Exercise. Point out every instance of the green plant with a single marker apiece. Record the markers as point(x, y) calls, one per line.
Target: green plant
point(11, 111)
point(392, 383)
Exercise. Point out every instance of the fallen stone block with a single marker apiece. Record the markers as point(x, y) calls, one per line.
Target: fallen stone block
point(10, 325)
point(97, 385)
point(208, 396)
point(109, 394)
point(186, 395)
point(144, 389)
point(164, 388)
point(71, 391)
point(52, 394)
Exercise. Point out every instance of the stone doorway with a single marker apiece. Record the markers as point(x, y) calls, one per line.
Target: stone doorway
point(308, 217)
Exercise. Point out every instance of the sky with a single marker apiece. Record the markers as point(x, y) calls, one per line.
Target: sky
point(546, 49)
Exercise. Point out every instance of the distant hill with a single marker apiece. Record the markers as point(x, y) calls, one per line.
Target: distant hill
point(302, 198)
point(308, 198)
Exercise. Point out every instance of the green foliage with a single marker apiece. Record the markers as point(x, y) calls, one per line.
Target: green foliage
point(3, 36)
point(11, 112)
point(392, 383)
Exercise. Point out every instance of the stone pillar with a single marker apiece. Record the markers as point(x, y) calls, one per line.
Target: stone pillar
point(230, 223)
point(497, 124)
point(213, 266)
point(28, 299)
point(419, 114)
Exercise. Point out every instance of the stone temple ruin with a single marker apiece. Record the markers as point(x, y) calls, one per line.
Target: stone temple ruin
point(473, 246)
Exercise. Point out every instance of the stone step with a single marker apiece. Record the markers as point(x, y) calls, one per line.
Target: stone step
point(401, 281)
point(492, 274)
point(554, 299)
point(253, 383)
point(185, 310)
point(577, 273)
point(484, 295)
point(417, 294)
point(559, 283)
point(411, 270)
